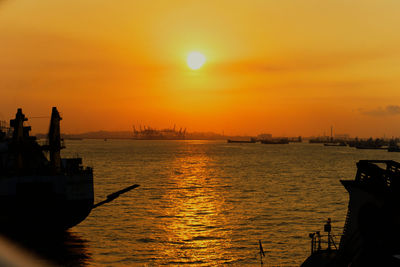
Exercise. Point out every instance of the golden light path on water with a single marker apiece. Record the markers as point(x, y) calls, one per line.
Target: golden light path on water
point(192, 213)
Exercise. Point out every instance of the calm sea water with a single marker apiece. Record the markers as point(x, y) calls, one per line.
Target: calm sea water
point(208, 202)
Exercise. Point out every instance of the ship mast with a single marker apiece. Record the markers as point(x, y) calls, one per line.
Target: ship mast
point(19, 134)
point(55, 140)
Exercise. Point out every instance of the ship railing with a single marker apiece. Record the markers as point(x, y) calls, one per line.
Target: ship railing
point(73, 165)
point(323, 242)
point(368, 170)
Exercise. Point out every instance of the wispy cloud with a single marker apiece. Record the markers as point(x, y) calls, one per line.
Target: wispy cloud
point(308, 62)
point(389, 110)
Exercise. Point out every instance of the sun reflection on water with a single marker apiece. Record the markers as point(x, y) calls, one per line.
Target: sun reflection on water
point(194, 213)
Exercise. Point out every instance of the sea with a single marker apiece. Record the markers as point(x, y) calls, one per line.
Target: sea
point(206, 203)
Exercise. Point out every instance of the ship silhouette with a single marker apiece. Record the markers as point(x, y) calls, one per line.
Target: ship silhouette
point(371, 232)
point(39, 190)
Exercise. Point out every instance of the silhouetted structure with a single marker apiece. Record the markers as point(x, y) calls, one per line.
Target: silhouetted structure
point(37, 192)
point(148, 133)
point(372, 229)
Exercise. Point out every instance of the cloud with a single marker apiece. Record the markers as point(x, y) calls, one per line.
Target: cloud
point(389, 110)
point(311, 61)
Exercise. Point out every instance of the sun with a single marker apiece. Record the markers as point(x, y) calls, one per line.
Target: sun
point(195, 60)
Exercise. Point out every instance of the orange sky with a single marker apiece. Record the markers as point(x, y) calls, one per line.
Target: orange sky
point(282, 67)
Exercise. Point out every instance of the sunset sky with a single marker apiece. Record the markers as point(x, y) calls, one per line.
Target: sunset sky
point(280, 67)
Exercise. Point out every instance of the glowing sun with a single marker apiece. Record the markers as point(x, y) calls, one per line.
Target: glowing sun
point(195, 60)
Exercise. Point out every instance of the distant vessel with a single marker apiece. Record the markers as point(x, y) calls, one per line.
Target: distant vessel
point(335, 144)
point(252, 140)
point(275, 141)
point(393, 146)
point(362, 146)
point(37, 192)
point(372, 229)
point(370, 144)
point(393, 149)
point(148, 133)
point(319, 140)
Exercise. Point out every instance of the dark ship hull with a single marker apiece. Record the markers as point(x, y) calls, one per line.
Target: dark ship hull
point(39, 190)
point(50, 203)
point(393, 149)
point(335, 144)
point(241, 141)
point(283, 141)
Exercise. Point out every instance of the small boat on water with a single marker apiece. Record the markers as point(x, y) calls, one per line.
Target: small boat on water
point(371, 147)
point(275, 141)
point(335, 144)
point(39, 190)
point(393, 146)
point(252, 140)
point(370, 144)
point(371, 232)
point(393, 149)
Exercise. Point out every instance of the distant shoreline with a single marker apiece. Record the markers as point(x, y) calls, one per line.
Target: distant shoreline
point(128, 135)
